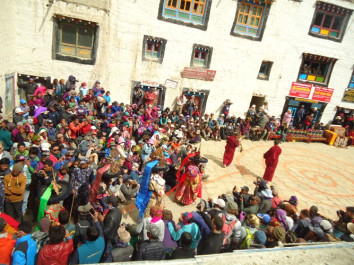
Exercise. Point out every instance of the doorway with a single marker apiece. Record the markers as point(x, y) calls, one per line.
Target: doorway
point(258, 101)
point(160, 92)
point(200, 97)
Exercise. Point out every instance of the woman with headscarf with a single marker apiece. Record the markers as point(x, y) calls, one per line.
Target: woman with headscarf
point(231, 144)
point(168, 241)
point(186, 226)
point(156, 219)
point(189, 186)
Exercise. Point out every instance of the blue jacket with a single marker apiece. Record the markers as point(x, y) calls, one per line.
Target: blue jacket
point(5, 138)
point(198, 219)
point(90, 252)
point(25, 251)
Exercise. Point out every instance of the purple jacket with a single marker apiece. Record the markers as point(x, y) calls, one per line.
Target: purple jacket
point(168, 241)
point(198, 219)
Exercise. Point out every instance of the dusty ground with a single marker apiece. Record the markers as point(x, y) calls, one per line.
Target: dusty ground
point(316, 173)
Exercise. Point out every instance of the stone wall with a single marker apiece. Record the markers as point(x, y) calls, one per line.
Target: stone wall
point(27, 36)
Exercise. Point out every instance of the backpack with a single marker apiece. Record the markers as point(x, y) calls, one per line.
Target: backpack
point(249, 239)
point(227, 230)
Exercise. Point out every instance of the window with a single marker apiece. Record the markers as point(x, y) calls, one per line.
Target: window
point(194, 13)
point(201, 56)
point(329, 21)
point(316, 68)
point(250, 19)
point(264, 71)
point(351, 83)
point(75, 40)
point(153, 49)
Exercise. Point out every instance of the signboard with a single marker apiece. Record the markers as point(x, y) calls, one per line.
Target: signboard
point(306, 100)
point(198, 73)
point(300, 90)
point(322, 94)
point(171, 84)
point(349, 95)
point(149, 83)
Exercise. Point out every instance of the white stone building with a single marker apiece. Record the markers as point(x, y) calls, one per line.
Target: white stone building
point(122, 42)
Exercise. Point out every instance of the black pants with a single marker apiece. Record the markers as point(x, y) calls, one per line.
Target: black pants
point(14, 209)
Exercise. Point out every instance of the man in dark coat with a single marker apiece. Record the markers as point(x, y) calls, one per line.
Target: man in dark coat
point(151, 249)
point(112, 221)
point(212, 243)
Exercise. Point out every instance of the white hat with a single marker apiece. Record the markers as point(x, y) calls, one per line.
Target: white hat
point(45, 146)
point(325, 225)
point(222, 114)
point(219, 202)
point(172, 125)
point(93, 128)
point(179, 135)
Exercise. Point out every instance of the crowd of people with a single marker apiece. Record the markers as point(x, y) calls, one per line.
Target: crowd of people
point(72, 157)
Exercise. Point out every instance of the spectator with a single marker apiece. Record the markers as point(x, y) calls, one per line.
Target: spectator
point(56, 251)
point(15, 184)
point(213, 243)
point(7, 243)
point(26, 247)
point(112, 220)
point(185, 251)
point(123, 251)
point(151, 249)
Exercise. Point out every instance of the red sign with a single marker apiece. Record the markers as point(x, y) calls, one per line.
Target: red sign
point(300, 90)
point(198, 73)
point(322, 94)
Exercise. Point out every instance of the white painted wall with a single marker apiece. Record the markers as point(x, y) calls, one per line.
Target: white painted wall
point(26, 36)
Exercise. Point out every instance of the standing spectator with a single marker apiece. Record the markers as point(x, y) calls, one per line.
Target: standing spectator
point(91, 251)
point(180, 101)
point(191, 103)
point(226, 107)
point(151, 249)
point(212, 244)
point(185, 251)
point(25, 248)
point(29, 88)
point(150, 97)
point(56, 252)
point(123, 251)
point(287, 119)
point(112, 220)
point(7, 243)
point(15, 184)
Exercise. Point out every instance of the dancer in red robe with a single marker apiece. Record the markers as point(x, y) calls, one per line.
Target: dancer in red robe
point(231, 144)
point(190, 186)
point(271, 160)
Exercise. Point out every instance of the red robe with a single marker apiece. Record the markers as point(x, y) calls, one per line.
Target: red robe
point(231, 145)
point(271, 161)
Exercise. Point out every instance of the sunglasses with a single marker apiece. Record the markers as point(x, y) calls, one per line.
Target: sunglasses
point(55, 150)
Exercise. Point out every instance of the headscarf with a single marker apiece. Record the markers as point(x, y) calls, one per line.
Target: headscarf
point(156, 214)
point(281, 216)
point(293, 200)
point(186, 218)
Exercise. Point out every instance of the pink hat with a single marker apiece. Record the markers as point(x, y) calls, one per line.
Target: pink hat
point(150, 141)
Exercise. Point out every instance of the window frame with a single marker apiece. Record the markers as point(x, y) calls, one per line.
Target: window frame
point(147, 55)
point(311, 77)
point(266, 74)
point(201, 49)
point(248, 27)
point(191, 18)
point(351, 81)
point(321, 31)
point(57, 53)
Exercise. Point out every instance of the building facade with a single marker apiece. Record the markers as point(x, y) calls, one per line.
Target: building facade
point(286, 52)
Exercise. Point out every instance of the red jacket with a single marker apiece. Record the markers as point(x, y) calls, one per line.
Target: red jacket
point(57, 254)
point(7, 244)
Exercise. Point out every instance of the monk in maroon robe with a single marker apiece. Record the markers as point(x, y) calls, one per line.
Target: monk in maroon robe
point(271, 160)
point(231, 144)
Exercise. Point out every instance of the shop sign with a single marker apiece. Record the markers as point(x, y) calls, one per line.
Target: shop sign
point(171, 84)
point(322, 94)
point(306, 100)
point(149, 83)
point(349, 95)
point(300, 90)
point(198, 73)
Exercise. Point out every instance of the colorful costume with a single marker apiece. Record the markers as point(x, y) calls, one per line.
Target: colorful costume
point(271, 161)
point(189, 186)
point(231, 145)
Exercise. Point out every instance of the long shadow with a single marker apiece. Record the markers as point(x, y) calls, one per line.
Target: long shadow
point(214, 159)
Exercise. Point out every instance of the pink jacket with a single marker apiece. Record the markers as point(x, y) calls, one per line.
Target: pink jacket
point(287, 117)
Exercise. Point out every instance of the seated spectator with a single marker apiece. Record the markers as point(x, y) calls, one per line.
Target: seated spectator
point(152, 248)
point(248, 230)
point(156, 219)
point(56, 251)
point(42, 236)
point(260, 239)
point(327, 228)
point(254, 205)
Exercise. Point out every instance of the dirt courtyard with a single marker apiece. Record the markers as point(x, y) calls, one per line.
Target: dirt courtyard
point(316, 173)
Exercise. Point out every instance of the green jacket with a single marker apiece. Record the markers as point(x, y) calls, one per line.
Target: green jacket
point(5, 138)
